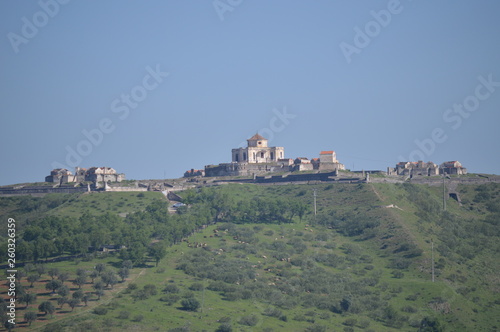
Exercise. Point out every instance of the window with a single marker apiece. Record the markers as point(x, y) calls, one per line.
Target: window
point(236, 157)
point(272, 155)
point(262, 154)
point(244, 156)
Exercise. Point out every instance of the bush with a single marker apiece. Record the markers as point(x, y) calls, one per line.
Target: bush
point(100, 311)
point(170, 298)
point(250, 320)
point(350, 322)
point(197, 286)
point(224, 327)
point(190, 304)
point(138, 318)
point(123, 314)
point(171, 289)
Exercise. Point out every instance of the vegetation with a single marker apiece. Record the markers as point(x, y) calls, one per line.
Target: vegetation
point(247, 257)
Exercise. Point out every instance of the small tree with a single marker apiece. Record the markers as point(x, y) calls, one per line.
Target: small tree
point(80, 281)
point(127, 264)
point(94, 274)
point(100, 267)
point(30, 317)
point(63, 276)
point(47, 307)
point(73, 303)
point(28, 298)
point(53, 272)
point(123, 273)
point(78, 294)
point(63, 291)
point(157, 251)
point(109, 278)
point(40, 269)
point(86, 298)
point(32, 278)
point(61, 301)
point(99, 293)
point(52, 285)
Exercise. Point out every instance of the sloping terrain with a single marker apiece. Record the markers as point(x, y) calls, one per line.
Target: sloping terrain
point(268, 263)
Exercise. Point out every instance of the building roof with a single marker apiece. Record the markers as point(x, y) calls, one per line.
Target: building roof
point(256, 137)
point(327, 152)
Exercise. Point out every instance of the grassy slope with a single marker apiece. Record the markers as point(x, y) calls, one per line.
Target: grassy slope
point(467, 312)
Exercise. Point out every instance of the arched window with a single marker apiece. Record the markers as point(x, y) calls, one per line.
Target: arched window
point(236, 157)
point(262, 154)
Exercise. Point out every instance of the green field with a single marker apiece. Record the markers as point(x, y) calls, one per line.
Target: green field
point(364, 262)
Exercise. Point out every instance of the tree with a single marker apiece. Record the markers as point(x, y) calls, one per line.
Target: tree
point(40, 269)
point(99, 293)
point(32, 278)
point(80, 281)
point(47, 307)
point(63, 276)
point(94, 274)
point(157, 251)
point(28, 298)
point(30, 317)
point(53, 272)
point(190, 304)
point(53, 285)
point(73, 303)
point(63, 291)
point(78, 294)
point(109, 278)
point(100, 267)
point(86, 298)
point(123, 273)
point(61, 301)
point(127, 264)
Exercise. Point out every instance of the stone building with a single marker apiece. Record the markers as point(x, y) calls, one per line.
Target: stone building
point(452, 168)
point(257, 152)
point(93, 174)
point(194, 172)
point(328, 161)
point(415, 168)
point(302, 164)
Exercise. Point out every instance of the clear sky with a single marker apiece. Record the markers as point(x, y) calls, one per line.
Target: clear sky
point(153, 88)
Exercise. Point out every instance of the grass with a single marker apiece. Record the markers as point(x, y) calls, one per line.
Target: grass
point(468, 288)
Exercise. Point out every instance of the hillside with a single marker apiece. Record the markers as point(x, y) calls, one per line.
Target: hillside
point(364, 262)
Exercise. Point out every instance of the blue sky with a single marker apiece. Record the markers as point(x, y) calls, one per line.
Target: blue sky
point(164, 86)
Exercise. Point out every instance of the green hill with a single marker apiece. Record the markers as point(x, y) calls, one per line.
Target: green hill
point(256, 258)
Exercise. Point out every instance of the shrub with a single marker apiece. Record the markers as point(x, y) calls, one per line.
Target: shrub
point(138, 318)
point(170, 298)
point(197, 286)
point(100, 311)
point(190, 304)
point(250, 320)
point(123, 314)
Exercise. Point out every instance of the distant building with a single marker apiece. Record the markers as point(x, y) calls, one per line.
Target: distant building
point(413, 168)
point(328, 161)
point(194, 172)
point(452, 168)
point(257, 152)
point(258, 158)
point(93, 174)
